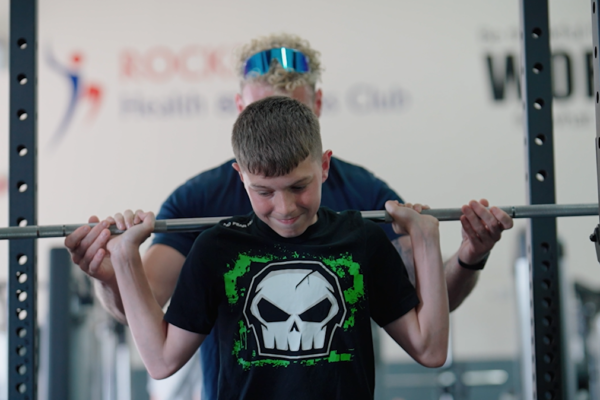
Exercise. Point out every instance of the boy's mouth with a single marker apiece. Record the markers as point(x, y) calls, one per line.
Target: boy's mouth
point(287, 221)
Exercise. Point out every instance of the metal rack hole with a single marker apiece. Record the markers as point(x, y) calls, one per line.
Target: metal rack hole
point(546, 284)
point(21, 277)
point(21, 314)
point(541, 176)
point(22, 259)
point(21, 388)
point(21, 295)
point(540, 139)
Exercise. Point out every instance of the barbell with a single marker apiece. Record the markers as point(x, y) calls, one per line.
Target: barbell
point(196, 224)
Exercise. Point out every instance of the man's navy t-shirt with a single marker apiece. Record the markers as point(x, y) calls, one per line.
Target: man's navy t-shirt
point(219, 192)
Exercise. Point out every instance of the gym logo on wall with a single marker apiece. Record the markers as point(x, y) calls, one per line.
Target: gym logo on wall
point(294, 309)
point(142, 70)
point(82, 92)
point(571, 66)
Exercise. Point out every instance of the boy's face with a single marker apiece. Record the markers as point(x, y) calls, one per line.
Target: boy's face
point(288, 204)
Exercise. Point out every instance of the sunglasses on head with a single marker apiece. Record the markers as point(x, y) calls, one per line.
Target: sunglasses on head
point(290, 59)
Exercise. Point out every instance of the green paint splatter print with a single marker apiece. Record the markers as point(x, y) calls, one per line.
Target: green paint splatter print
point(333, 357)
point(342, 266)
point(240, 268)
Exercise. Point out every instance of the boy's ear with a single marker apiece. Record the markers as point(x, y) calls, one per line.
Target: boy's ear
point(236, 166)
point(326, 163)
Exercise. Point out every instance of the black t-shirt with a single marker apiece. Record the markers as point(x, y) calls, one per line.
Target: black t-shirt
point(293, 314)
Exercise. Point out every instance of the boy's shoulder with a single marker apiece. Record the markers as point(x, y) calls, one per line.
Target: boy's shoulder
point(229, 232)
point(238, 222)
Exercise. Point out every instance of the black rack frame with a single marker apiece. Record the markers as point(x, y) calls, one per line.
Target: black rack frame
point(22, 279)
point(548, 359)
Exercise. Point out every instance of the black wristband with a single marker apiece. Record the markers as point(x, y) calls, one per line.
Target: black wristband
point(474, 267)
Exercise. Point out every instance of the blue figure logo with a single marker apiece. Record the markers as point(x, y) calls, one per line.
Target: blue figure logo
point(81, 91)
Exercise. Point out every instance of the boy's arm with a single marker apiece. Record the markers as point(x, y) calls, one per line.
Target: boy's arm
point(459, 281)
point(423, 332)
point(164, 348)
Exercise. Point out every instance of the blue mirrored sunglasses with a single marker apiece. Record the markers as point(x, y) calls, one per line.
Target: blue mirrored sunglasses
point(290, 59)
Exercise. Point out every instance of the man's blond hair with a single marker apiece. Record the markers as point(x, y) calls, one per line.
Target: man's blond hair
point(277, 77)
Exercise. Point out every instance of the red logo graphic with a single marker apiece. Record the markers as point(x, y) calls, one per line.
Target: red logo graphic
point(191, 64)
point(3, 184)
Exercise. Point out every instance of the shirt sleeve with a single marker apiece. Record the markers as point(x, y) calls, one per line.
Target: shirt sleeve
point(194, 305)
point(391, 295)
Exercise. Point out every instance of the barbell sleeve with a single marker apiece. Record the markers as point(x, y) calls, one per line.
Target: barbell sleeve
point(196, 224)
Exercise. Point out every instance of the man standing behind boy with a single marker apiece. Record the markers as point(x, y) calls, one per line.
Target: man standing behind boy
point(292, 287)
point(264, 72)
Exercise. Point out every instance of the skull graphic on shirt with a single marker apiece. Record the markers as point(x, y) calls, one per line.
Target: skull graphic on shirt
point(294, 309)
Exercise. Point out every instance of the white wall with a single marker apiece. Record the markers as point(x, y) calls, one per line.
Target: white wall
point(445, 143)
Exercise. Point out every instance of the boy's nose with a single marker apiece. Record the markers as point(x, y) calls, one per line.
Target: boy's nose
point(285, 204)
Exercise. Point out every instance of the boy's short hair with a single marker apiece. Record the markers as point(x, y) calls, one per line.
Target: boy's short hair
point(272, 136)
point(278, 77)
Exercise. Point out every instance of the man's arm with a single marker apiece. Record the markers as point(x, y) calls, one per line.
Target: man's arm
point(87, 246)
point(164, 348)
point(423, 332)
point(481, 229)
point(460, 281)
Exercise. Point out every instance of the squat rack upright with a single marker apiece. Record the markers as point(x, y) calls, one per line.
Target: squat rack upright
point(549, 381)
point(22, 276)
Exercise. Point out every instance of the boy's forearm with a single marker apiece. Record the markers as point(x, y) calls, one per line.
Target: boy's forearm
point(145, 316)
point(433, 310)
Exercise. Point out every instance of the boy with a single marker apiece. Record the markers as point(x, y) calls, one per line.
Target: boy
point(291, 286)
